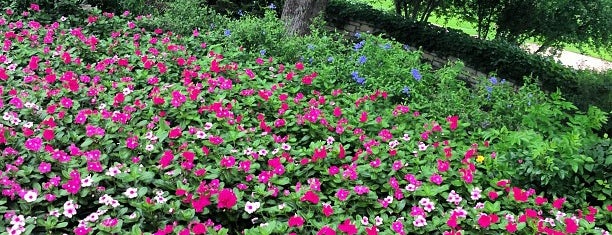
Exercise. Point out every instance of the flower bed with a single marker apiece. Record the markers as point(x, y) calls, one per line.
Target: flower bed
point(142, 132)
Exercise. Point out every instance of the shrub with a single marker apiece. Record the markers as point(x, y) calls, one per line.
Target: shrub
point(162, 133)
point(583, 88)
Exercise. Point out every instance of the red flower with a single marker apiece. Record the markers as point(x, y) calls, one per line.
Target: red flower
point(493, 195)
point(295, 221)
point(326, 230)
point(511, 227)
point(371, 231)
point(364, 117)
point(328, 210)
point(199, 228)
point(558, 203)
point(347, 227)
point(175, 133)
point(311, 197)
point(484, 221)
point(453, 120)
point(452, 221)
point(199, 204)
point(540, 200)
point(570, 226)
point(166, 159)
point(48, 134)
point(299, 66)
point(227, 199)
point(519, 194)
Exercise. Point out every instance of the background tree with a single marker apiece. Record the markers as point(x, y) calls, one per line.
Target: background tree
point(557, 22)
point(419, 10)
point(298, 14)
point(482, 13)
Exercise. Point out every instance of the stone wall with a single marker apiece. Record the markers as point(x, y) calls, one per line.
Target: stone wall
point(469, 75)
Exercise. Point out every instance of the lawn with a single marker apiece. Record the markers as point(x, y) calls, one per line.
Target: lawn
point(115, 124)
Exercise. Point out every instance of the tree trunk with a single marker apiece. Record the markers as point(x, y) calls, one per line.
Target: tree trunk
point(298, 15)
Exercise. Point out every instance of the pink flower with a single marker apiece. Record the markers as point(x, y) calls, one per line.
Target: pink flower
point(342, 194)
point(44, 167)
point(175, 133)
point(166, 159)
point(328, 210)
point(484, 221)
point(398, 227)
point(310, 197)
point(33, 144)
point(132, 142)
point(296, 221)
point(326, 230)
point(558, 203)
point(453, 120)
point(110, 222)
point(436, 179)
point(347, 227)
point(570, 226)
point(81, 230)
point(227, 199)
point(511, 227)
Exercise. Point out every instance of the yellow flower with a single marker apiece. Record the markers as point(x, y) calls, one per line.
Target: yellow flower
point(480, 159)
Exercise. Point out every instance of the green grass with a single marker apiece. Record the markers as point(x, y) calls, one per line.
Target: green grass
point(469, 28)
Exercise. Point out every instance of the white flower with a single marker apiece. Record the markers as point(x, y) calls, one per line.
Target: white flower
point(113, 171)
point(476, 194)
point(286, 147)
point(208, 125)
point(18, 220)
point(419, 221)
point(131, 193)
point(149, 147)
point(378, 221)
point(201, 135)
point(93, 217)
point(30, 196)
point(251, 207)
point(422, 146)
point(365, 220)
point(87, 181)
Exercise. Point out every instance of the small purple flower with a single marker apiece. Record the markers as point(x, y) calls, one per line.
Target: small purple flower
point(362, 59)
point(416, 75)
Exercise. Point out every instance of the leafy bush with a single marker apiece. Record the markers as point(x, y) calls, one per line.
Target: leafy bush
point(583, 88)
point(162, 133)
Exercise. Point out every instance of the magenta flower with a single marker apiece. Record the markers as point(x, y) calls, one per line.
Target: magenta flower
point(342, 194)
point(33, 144)
point(436, 179)
point(44, 167)
point(227, 199)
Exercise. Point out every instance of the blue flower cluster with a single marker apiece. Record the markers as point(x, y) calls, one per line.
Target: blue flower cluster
point(416, 74)
point(359, 45)
point(357, 78)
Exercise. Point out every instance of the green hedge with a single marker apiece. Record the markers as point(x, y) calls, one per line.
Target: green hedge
point(508, 61)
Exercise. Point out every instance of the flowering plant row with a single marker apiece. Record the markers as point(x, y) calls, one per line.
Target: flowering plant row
point(142, 132)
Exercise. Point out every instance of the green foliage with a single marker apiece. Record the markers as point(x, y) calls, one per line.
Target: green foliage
point(557, 22)
point(183, 16)
point(583, 88)
point(52, 10)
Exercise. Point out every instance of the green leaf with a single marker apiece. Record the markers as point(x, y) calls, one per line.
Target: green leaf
point(61, 225)
point(86, 143)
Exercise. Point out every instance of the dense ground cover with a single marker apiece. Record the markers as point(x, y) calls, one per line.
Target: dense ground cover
point(111, 128)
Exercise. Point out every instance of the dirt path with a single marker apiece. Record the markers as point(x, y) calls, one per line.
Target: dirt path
point(578, 61)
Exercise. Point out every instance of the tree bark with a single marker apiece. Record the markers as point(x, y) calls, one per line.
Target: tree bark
point(298, 15)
